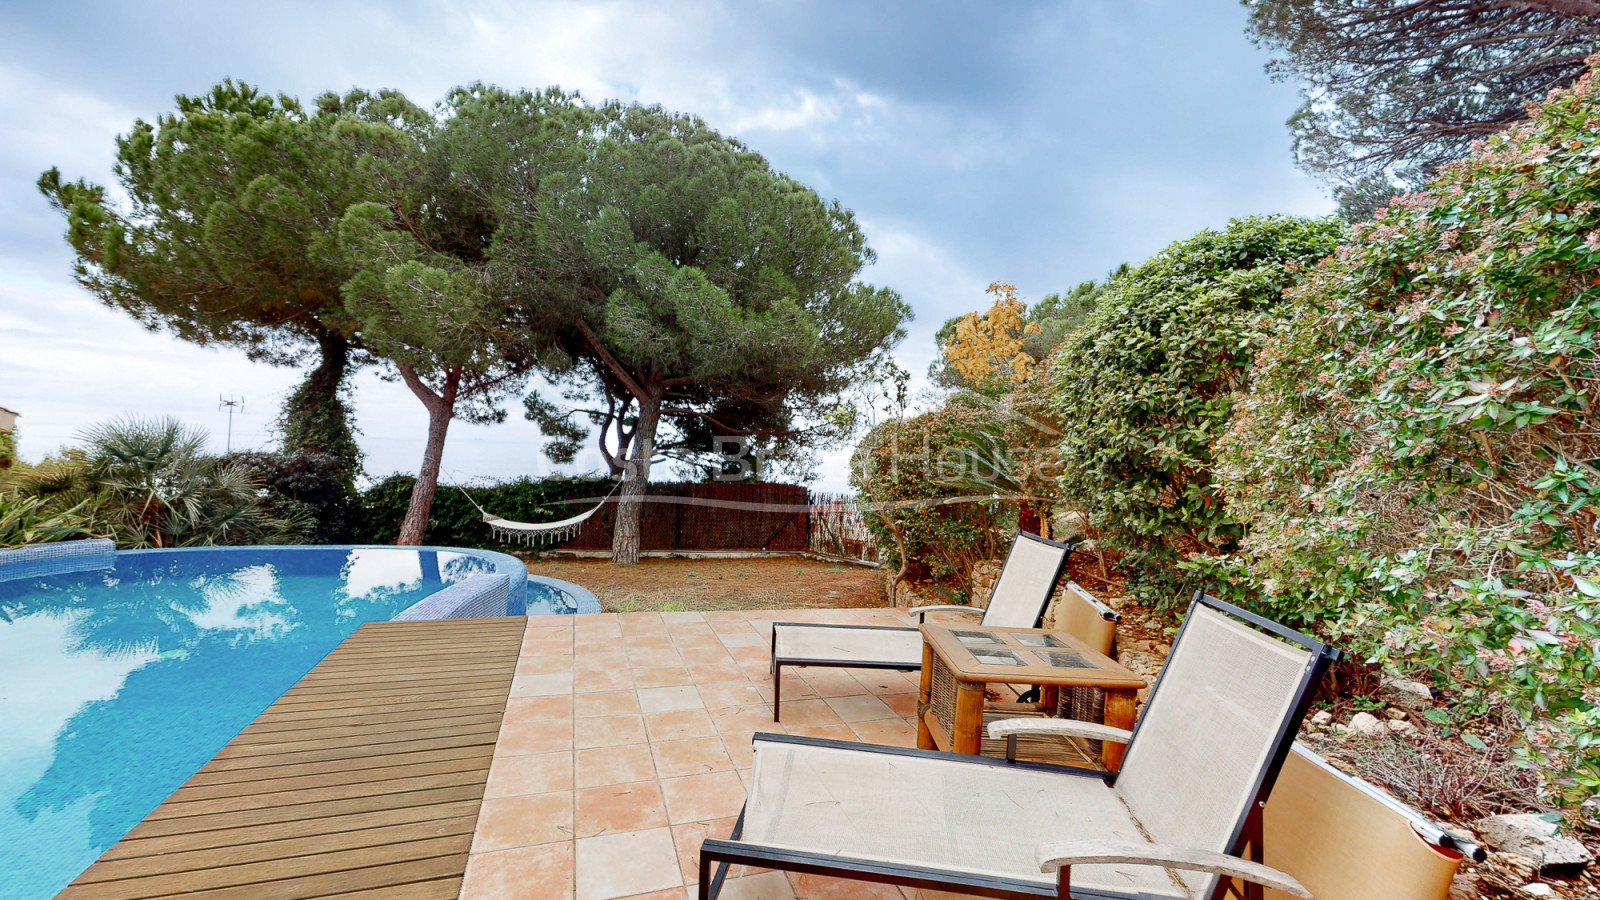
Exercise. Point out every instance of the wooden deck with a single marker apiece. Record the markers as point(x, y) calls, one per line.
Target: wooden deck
point(363, 780)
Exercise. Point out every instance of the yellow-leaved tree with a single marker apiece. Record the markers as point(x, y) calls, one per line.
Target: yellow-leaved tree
point(987, 349)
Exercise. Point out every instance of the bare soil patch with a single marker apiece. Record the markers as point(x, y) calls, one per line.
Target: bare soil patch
point(706, 584)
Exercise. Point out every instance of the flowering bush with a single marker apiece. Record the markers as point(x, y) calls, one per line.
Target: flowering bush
point(1416, 455)
point(1146, 385)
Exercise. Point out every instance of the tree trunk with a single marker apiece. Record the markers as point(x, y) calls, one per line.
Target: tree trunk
point(636, 478)
point(441, 409)
point(316, 416)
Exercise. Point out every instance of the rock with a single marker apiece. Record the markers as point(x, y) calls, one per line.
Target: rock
point(1538, 889)
point(1400, 725)
point(1519, 868)
point(1530, 836)
point(1322, 718)
point(1464, 887)
point(1141, 646)
point(1366, 723)
point(1393, 713)
point(1412, 695)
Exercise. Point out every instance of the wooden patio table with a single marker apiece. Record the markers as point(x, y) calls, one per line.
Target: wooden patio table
point(959, 663)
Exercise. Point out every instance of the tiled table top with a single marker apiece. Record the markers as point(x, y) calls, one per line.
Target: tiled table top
point(626, 742)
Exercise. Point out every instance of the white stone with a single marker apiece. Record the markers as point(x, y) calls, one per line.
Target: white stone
point(1538, 889)
point(1366, 723)
point(1529, 835)
point(1393, 713)
point(1412, 695)
point(1322, 718)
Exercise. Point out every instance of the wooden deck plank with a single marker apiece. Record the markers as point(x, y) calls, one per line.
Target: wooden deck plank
point(364, 779)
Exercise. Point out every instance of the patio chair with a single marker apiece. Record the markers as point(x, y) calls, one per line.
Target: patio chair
point(1021, 594)
point(1172, 823)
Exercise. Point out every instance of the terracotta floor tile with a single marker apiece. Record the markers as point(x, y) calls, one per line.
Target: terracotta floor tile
point(892, 732)
point(640, 620)
point(819, 887)
point(761, 653)
point(827, 732)
point(706, 656)
point(807, 712)
point(705, 640)
point(688, 838)
point(794, 687)
point(832, 684)
point(760, 671)
point(739, 749)
point(736, 719)
point(543, 872)
point(668, 894)
point(607, 731)
point(678, 618)
point(718, 694)
point(618, 679)
point(614, 808)
point(524, 737)
point(613, 765)
point(541, 665)
point(590, 704)
point(562, 648)
point(523, 821)
point(679, 725)
point(879, 682)
point(666, 676)
point(538, 709)
point(697, 756)
point(622, 865)
point(902, 704)
point(647, 642)
point(649, 659)
point(861, 708)
point(698, 798)
point(537, 773)
point(545, 685)
point(746, 638)
point(765, 886)
point(717, 673)
point(668, 699)
point(595, 662)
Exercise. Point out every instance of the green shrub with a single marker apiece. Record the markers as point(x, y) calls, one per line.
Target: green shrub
point(305, 483)
point(1417, 454)
point(8, 449)
point(909, 461)
point(455, 522)
point(29, 520)
point(1147, 384)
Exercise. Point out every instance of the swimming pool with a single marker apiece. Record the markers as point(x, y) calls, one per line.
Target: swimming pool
point(119, 682)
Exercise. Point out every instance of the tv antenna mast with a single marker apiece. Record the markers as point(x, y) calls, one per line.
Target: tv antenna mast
point(230, 404)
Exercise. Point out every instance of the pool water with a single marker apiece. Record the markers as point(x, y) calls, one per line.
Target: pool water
point(117, 684)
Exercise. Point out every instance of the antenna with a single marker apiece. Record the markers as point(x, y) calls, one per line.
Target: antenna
point(230, 404)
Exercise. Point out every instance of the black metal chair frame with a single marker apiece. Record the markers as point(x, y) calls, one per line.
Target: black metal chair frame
point(1246, 833)
point(778, 662)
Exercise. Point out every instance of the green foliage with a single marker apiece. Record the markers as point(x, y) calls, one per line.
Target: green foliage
point(29, 520)
point(229, 233)
point(455, 522)
point(903, 469)
point(1147, 385)
point(1056, 315)
point(8, 450)
point(1417, 453)
point(146, 483)
point(304, 485)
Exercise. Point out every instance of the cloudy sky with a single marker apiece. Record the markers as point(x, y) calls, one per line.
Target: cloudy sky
point(1039, 143)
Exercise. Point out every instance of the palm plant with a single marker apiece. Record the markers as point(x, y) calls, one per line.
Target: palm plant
point(158, 489)
point(30, 520)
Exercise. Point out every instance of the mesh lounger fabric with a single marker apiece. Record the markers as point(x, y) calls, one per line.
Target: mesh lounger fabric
point(934, 812)
point(863, 644)
point(1020, 596)
point(1203, 742)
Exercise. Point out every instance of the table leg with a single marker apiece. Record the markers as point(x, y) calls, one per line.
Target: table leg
point(1121, 709)
point(924, 697)
point(968, 737)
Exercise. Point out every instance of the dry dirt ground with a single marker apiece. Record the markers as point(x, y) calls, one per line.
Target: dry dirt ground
point(702, 584)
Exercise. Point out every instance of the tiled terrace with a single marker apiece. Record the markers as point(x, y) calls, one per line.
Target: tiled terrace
point(626, 741)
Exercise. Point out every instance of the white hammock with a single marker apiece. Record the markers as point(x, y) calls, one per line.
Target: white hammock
point(526, 533)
